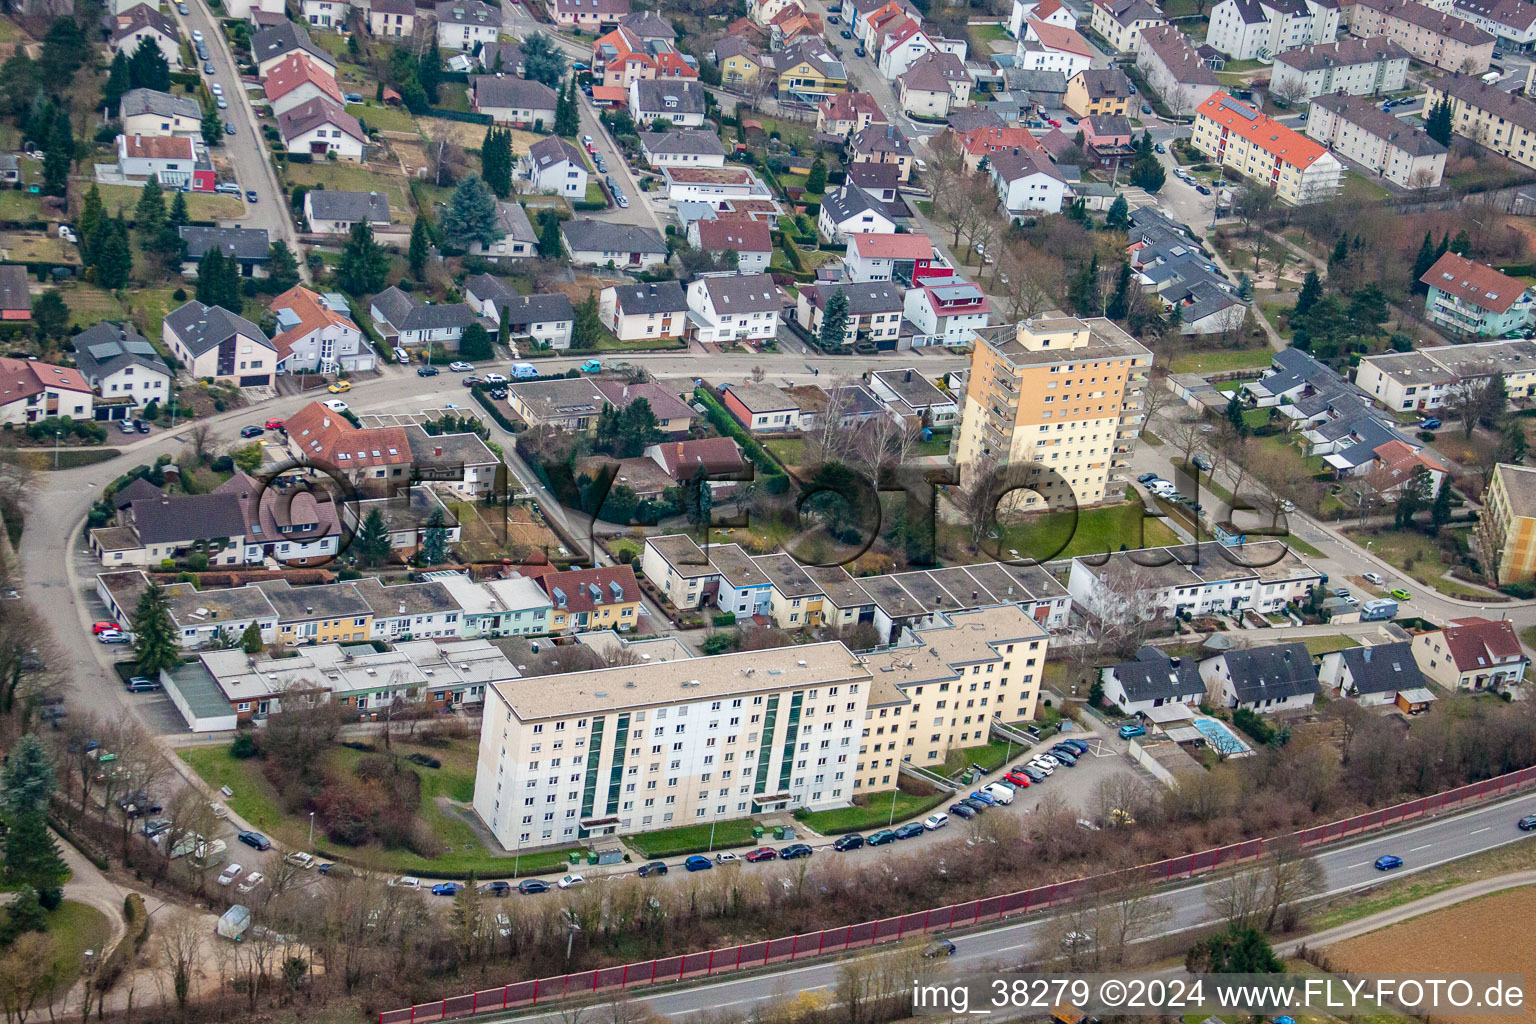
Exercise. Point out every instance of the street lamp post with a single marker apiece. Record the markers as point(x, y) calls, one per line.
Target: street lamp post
point(892, 819)
point(311, 828)
point(711, 838)
point(58, 435)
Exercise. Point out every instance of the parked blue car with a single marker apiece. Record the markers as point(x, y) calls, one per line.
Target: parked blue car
point(983, 797)
point(446, 889)
point(1131, 729)
point(698, 862)
point(910, 830)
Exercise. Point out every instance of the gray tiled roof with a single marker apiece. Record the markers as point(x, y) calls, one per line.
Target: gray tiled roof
point(1384, 668)
point(201, 327)
point(661, 297)
point(743, 293)
point(352, 207)
point(152, 101)
point(587, 235)
point(285, 38)
point(247, 244)
point(653, 97)
point(405, 313)
point(682, 141)
point(1153, 675)
point(510, 91)
point(105, 348)
point(1274, 672)
point(467, 12)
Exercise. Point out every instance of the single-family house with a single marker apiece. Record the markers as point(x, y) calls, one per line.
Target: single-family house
point(1150, 680)
point(151, 112)
point(321, 127)
point(911, 396)
point(124, 368)
point(405, 320)
point(682, 147)
point(1473, 654)
point(175, 161)
point(636, 311)
point(248, 247)
point(1027, 182)
point(749, 239)
point(1371, 675)
point(589, 15)
point(850, 210)
point(271, 45)
point(734, 307)
point(678, 101)
point(844, 113)
point(882, 144)
point(297, 79)
point(933, 84)
point(509, 100)
point(1046, 47)
point(874, 311)
point(465, 25)
point(554, 165)
point(947, 312)
point(567, 403)
point(1268, 679)
point(316, 334)
point(719, 458)
point(906, 257)
point(211, 342)
point(547, 320)
point(761, 408)
point(392, 19)
point(1099, 91)
point(602, 243)
point(129, 28)
point(673, 415)
point(331, 212)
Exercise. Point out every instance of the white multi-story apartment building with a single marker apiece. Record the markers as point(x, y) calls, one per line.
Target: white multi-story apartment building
point(1368, 136)
point(1422, 380)
point(1263, 150)
point(654, 745)
point(1257, 29)
point(1429, 34)
point(1511, 22)
point(1191, 580)
point(1354, 67)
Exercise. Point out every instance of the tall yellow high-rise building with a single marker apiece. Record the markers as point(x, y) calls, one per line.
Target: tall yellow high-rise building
point(1054, 393)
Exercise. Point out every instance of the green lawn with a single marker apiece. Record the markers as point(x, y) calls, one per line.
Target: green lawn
point(75, 928)
point(1359, 189)
point(453, 96)
point(385, 119)
point(982, 35)
point(1419, 557)
point(257, 801)
point(1221, 362)
point(675, 842)
point(788, 450)
point(1323, 644)
point(595, 193)
point(347, 177)
point(1095, 531)
point(200, 205)
point(989, 755)
point(1299, 465)
point(1302, 547)
point(20, 206)
point(89, 305)
point(875, 816)
point(608, 343)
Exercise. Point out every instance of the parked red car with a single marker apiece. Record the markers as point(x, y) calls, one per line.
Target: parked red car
point(274, 424)
point(1018, 779)
point(762, 853)
point(102, 627)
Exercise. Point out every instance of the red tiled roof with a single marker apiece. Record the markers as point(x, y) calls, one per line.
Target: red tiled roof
point(159, 147)
point(325, 436)
point(312, 317)
point(991, 139)
point(1268, 134)
point(576, 584)
point(846, 106)
point(714, 454)
point(899, 247)
point(739, 233)
point(295, 70)
point(1472, 282)
point(1476, 642)
point(23, 378)
point(1057, 37)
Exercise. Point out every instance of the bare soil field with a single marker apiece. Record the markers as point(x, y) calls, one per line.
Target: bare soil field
point(1491, 935)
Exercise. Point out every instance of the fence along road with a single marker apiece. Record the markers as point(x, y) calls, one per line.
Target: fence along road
point(709, 963)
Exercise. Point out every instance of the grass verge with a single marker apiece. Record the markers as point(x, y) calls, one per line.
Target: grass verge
point(676, 842)
point(1221, 362)
point(878, 813)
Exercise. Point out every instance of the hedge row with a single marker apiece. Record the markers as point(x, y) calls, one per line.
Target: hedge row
point(456, 115)
point(774, 479)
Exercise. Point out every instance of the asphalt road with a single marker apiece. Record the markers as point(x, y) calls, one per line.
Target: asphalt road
point(244, 151)
point(1008, 945)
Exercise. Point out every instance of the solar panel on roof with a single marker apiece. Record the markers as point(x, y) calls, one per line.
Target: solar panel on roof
point(104, 350)
point(141, 348)
point(1242, 109)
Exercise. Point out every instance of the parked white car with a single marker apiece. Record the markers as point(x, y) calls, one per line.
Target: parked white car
point(934, 822)
point(300, 860)
point(230, 873)
point(571, 881)
point(252, 880)
point(999, 792)
point(405, 882)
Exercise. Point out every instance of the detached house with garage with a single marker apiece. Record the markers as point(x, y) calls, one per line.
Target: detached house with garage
point(636, 311)
point(316, 334)
point(175, 161)
point(947, 313)
point(336, 213)
point(1151, 680)
point(271, 45)
point(874, 311)
point(761, 408)
point(681, 102)
point(212, 342)
point(124, 368)
point(406, 321)
point(1473, 654)
point(296, 79)
point(1027, 182)
point(682, 148)
point(908, 257)
point(1278, 677)
point(140, 22)
point(734, 307)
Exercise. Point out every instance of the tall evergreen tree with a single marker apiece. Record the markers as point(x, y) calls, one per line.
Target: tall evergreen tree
point(1311, 291)
point(1083, 292)
point(567, 111)
point(1119, 216)
point(91, 213)
point(149, 214)
point(154, 634)
point(32, 858)
point(504, 328)
point(1234, 415)
point(698, 501)
point(65, 50)
point(27, 780)
point(816, 181)
point(420, 249)
point(834, 322)
point(1462, 243)
point(364, 266)
point(550, 244)
point(476, 343)
point(250, 640)
point(119, 81)
point(373, 545)
point(210, 277)
point(471, 215)
point(496, 160)
point(1444, 246)
point(430, 72)
point(178, 217)
point(58, 156)
point(1340, 252)
point(147, 68)
point(1439, 126)
point(1120, 302)
point(542, 61)
point(282, 266)
point(1421, 264)
point(1440, 511)
point(434, 539)
point(213, 128)
point(1413, 497)
point(113, 254)
point(587, 328)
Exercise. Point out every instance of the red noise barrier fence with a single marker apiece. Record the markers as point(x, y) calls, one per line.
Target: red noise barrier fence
point(894, 929)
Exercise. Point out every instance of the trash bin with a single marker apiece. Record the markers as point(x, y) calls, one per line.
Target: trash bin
point(778, 832)
point(757, 832)
point(592, 857)
point(574, 857)
point(789, 832)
